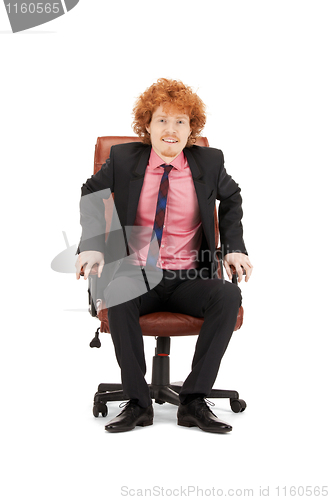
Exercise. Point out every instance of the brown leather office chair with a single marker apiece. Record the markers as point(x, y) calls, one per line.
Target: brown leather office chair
point(162, 325)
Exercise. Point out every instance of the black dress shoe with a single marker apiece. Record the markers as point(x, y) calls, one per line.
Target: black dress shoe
point(131, 416)
point(198, 414)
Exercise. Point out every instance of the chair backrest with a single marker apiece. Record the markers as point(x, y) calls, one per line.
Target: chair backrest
point(102, 151)
point(103, 146)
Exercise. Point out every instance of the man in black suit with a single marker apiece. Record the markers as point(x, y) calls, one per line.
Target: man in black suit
point(168, 184)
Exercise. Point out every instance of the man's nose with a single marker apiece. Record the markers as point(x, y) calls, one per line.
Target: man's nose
point(171, 128)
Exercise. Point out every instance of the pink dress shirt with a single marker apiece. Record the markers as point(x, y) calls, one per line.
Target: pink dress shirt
point(182, 233)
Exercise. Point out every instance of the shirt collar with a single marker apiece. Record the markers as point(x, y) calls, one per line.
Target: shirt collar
point(155, 161)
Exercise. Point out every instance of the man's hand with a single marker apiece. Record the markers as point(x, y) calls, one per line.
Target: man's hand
point(238, 260)
point(90, 257)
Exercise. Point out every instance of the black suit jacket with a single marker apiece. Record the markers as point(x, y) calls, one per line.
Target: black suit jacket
point(123, 174)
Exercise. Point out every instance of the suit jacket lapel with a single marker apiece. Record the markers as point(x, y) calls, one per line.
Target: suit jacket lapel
point(135, 185)
point(201, 192)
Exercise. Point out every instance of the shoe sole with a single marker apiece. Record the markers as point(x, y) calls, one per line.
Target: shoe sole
point(118, 429)
point(186, 423)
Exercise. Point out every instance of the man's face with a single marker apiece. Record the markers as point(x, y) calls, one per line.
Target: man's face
point(169, 132)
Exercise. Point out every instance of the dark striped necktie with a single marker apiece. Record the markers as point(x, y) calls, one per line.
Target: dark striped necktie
point(160, 213)
point(161, 203)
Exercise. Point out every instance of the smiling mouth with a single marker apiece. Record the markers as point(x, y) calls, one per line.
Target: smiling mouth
point(170, 141)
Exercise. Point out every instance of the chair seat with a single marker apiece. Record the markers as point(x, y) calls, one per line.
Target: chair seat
point(165, 324)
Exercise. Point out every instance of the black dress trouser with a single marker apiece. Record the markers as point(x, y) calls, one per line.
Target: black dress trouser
point(186, 292)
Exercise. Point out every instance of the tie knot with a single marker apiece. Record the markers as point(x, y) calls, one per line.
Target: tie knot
point(167, 168)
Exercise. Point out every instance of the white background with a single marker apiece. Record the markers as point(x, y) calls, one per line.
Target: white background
point(262, 68)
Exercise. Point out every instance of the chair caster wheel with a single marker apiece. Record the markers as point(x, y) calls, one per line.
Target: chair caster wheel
point(159, 401)
point(100, 408)
point(237, 405)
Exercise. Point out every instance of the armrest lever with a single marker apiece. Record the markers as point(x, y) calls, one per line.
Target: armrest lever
point(234, 278)
point(93, 270)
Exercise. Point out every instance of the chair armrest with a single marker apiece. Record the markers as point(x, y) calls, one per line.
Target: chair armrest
point(92, 288)
point(218, 254)
point(93, 270)
point(234, 272)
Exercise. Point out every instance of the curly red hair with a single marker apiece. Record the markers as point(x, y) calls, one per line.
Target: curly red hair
point(172, 95)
